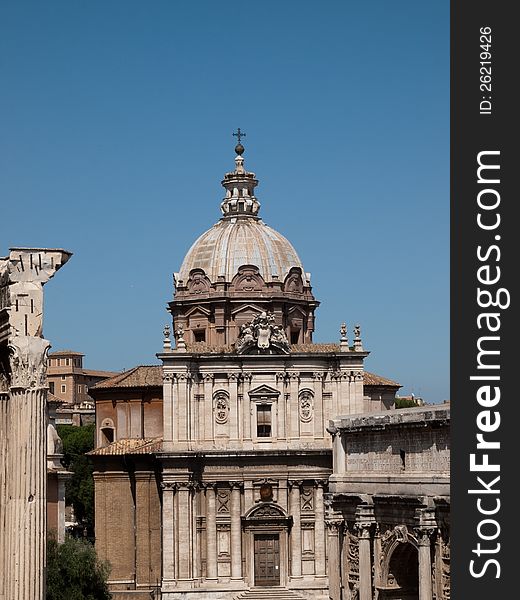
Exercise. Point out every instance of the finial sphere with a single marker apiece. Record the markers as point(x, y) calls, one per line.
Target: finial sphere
point(239, 149)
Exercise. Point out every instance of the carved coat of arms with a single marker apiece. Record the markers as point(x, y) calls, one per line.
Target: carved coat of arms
point(262, 333)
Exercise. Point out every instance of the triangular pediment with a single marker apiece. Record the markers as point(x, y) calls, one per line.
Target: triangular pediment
point(264, 390)
point(244, 307)
point(198, 309)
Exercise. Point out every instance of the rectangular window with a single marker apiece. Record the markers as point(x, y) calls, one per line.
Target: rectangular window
point(63, 377)
point(263, 420)
point(67, 361)
point(63, 388)
point(51, 387)
point(80, 390)
point(199, 335)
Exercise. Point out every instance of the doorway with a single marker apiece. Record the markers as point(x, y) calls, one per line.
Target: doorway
point(267, 559)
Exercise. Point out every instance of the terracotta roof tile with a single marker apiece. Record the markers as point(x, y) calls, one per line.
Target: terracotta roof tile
point(130, 446)
point(372, 379)
point(141, 376)
point(96, 373)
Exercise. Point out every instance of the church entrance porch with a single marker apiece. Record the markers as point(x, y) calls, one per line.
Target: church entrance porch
point(267, 560)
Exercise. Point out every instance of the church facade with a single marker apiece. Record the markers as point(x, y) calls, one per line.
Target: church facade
point(212, 470)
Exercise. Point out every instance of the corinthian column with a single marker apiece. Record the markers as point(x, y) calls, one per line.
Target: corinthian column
point(333, 527)
point(236, 531)
point(27, 468)
point(365, 523)
point(425, 563)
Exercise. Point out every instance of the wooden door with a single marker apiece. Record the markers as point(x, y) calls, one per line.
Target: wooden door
point(267, 559)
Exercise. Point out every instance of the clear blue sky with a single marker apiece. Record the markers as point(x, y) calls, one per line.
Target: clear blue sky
point(116, 131)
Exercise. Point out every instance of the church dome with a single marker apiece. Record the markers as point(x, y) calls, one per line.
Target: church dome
point(240, 237)
point(237, 241)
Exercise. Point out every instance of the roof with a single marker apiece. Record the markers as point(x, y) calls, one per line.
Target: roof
point(55, 400)
point(66, 353)
point(151, 375)
point(230, 244)
point(95, 373)
point(141, 376)
point(372, 379)
point(130, 446)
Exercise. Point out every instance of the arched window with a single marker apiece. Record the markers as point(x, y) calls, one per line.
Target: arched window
point(107, 432)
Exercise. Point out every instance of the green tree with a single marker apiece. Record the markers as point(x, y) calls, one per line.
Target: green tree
point(405, 403)
point(79, 491)
point(74, 572)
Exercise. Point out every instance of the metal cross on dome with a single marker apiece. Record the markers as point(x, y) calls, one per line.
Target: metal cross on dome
point(239, 134)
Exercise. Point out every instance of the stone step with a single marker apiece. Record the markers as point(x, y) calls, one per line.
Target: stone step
point(274, 593)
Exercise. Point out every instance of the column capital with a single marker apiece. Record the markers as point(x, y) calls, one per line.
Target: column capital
point(318, 375)
point(296, 483)
point(333, 526)
point(365, 521)
point(168, 377)
point(424, 535)
point(294, 375)
point(320, 483)
point(170, 486)
point(207, 377)
point(233, 377)
point(209, 485)
point(281, 375)
point(246, 376)
point(236, 485)
point(28, 361)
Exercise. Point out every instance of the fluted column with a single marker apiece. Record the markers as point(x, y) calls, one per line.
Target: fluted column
point(26, 510)
point(425, 563)
point(296, 531)
point(211, 532)
point(319, 530)
point(334, 564)
point(236, 531)
point(168, 531)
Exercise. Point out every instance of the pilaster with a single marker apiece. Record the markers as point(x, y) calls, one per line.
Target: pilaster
point(296, 531)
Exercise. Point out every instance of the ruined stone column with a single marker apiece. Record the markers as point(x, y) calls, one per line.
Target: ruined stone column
point(319, 530)
point(23, 371)
point(296, 531)
point(425, 564)
point(236, 531)
point(334, 554)
point(211, 532)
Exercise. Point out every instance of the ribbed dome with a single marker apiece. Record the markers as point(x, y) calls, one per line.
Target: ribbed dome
point(232, 243)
